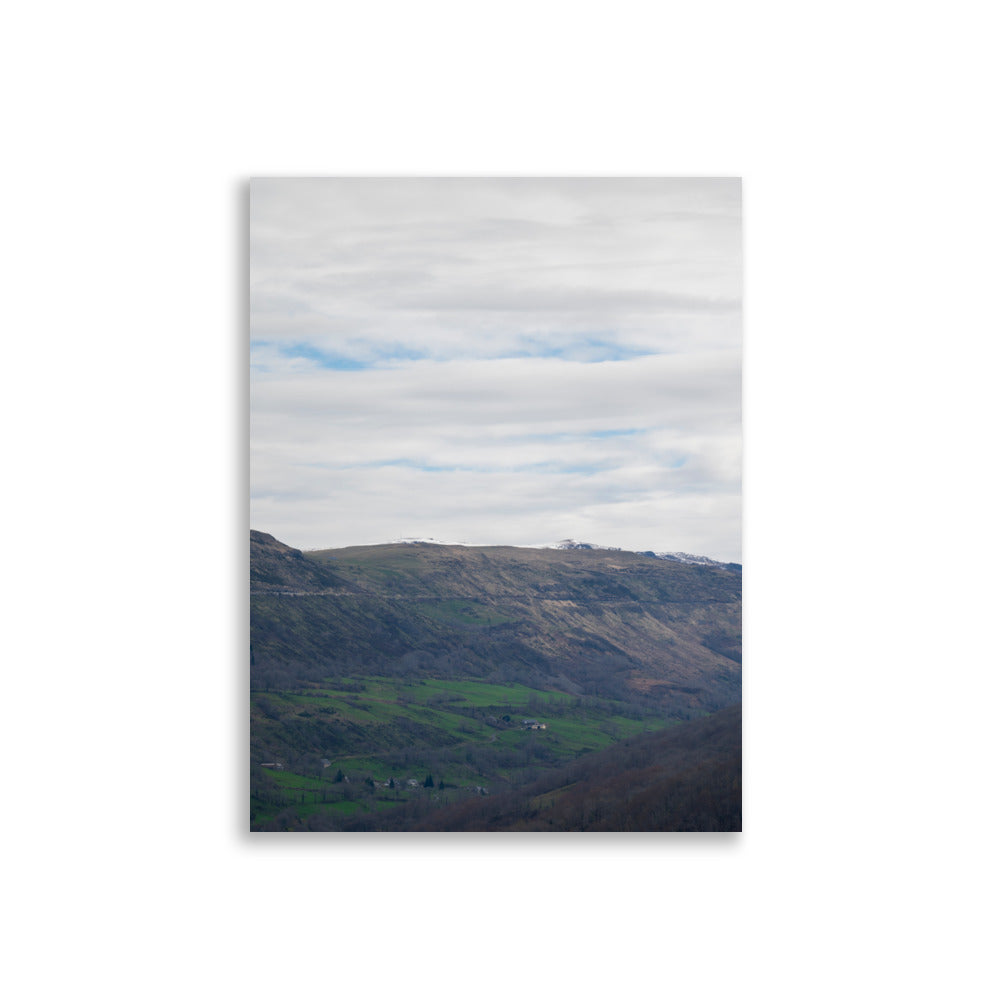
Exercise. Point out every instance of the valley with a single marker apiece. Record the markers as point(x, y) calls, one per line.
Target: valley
point(389, 684)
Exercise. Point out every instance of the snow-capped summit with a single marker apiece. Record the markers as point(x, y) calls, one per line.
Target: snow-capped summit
point(686, 557)
point(424, 541)
point(683, 557)
point(571, 543)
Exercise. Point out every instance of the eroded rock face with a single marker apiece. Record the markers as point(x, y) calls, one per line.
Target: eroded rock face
point(276, 566)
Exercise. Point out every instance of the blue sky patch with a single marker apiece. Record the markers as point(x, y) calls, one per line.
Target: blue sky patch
point(339, 362)
point(588, 350)
point(584, 350)
point(567, 436)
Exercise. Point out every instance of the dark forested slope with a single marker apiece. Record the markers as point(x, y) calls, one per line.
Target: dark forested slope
point(685, 778)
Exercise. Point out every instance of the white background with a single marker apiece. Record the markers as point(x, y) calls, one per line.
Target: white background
point(865, 134)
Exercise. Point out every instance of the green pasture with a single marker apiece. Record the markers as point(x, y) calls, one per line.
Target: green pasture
point(405, 728)
point(447, 714)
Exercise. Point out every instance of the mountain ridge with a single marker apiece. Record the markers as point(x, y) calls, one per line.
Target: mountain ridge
point(565, 544)
point(373, 668)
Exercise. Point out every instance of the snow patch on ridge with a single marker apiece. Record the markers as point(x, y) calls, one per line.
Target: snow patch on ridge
point(424, 541)
point(686, 557)
point(571, 544)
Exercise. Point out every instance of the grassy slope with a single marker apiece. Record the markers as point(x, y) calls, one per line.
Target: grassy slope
point(564, 618)
point(395, 661)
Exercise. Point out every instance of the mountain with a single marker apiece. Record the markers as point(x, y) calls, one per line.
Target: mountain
point(488, 667)
point(579, 620)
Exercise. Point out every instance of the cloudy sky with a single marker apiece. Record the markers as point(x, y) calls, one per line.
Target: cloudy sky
point(497, 361)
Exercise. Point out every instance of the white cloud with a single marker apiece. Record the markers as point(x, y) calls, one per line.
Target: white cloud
point(474, 266)
point(428, 288)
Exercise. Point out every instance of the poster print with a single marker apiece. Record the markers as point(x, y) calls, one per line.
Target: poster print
point(495, 504)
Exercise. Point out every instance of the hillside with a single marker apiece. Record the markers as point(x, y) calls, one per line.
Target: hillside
point(376, 668)
point(580, 621)
point(687, 778)
point(278, 568)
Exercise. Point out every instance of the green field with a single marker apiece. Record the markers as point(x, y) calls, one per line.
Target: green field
point(340, 742)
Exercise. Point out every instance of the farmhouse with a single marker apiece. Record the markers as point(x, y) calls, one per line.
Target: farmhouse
point(533, 724)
